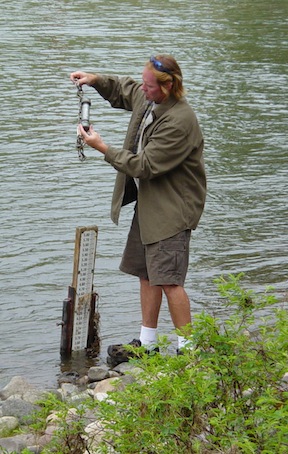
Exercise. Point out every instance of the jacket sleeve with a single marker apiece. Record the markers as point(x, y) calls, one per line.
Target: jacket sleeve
point(120, 92)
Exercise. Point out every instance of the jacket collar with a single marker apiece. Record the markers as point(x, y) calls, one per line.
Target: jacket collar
point(160, 109)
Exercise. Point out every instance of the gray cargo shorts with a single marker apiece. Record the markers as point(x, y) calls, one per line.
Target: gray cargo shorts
point(162, 263)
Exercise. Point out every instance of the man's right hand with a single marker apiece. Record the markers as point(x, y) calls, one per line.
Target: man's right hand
point(81, 78)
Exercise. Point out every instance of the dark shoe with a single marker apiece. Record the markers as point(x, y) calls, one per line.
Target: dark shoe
point(182, 351)
point(119, 354)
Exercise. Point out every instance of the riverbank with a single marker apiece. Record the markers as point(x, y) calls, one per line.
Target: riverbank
point(19, 401)
point(227, 392)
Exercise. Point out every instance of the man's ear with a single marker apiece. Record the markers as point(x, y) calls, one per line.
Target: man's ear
point(168, 85)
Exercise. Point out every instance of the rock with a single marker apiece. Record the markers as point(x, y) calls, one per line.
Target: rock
point(34, 395)
point(51, 429)
point(67, 390)
point(12, 444)
point(17, 385)
point(100, 396)
point(53, 418)
point(19, 400)
point(35, 449)
point(101, 390)
point(72, 415)
point(8, 423)
point(124, 368)
point(98, 373)
point(83, 381)
point(126, 380)
point(71, 393)
point(106, 385)
point(285, 378)
point(114, 373)
point(69, 377)
point(17, 443)
point(94, 434)
point(19, 408)
point(79, 397)
point(284, 383)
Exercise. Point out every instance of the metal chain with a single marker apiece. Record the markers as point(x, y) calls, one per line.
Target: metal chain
point(79, 142)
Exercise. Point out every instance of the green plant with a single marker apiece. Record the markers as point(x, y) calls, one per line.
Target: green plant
point(68, 438)
point(225, 395)
point(47, 405)
point(37, 421)
point(222, 396)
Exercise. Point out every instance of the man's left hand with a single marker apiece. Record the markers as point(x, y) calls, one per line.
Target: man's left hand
point(93, 139)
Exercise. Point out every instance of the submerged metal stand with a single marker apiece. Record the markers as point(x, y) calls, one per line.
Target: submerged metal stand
point(80, 317)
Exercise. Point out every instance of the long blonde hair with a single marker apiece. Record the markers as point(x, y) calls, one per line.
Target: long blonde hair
point(167, 70)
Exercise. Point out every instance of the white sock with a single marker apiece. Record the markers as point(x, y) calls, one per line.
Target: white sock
point(182, 342)
point(148, 336)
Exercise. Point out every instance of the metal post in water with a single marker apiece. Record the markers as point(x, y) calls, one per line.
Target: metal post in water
point(93, 341)
point(67, 323)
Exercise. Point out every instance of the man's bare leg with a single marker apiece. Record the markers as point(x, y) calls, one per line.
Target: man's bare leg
point(179, 305)
point(151, 299)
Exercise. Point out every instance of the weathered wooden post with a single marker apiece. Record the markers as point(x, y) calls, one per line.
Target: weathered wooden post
point(80, 320)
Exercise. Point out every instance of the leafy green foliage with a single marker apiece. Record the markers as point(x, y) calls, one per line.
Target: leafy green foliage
point(47, 405)
point(68, 438)
point(224, 394)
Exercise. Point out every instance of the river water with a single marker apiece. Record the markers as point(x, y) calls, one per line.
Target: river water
point(234, 59)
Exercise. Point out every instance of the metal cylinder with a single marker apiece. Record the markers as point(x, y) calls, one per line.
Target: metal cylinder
point(85, 113)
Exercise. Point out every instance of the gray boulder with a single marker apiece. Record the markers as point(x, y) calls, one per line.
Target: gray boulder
point(20, 409)
point(17, 385)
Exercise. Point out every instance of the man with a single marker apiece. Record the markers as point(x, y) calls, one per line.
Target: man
point(161, 168)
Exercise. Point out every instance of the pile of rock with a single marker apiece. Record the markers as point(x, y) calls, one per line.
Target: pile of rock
point(18, 402)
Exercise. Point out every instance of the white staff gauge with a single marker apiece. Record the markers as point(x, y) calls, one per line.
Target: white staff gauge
point(83, 274)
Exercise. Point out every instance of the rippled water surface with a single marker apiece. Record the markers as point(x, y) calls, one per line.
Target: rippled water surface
point(234, 60)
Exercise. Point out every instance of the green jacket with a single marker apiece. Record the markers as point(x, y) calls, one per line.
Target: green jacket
point(170, 167)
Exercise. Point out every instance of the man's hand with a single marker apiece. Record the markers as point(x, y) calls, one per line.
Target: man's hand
point(93, 139)
point(81, 78)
